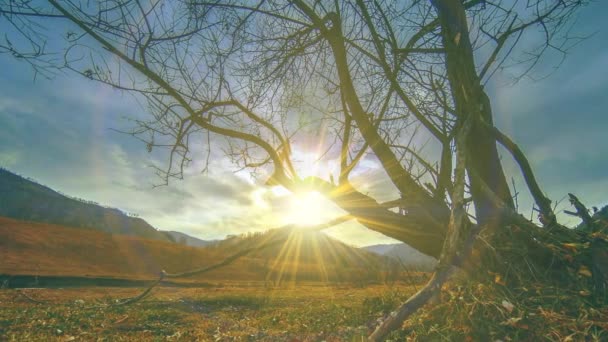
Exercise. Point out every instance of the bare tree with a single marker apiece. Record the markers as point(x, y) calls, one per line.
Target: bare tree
point(402, 81)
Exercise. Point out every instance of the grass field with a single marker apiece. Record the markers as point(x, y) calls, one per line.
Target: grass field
point(260, 297)
point(235, 312)
point(314, 312)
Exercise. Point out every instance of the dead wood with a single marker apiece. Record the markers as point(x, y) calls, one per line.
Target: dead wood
point(581, 211)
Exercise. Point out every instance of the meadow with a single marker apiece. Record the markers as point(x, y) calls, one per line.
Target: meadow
point(306, 288)
point(257, 311)
point(223, 312)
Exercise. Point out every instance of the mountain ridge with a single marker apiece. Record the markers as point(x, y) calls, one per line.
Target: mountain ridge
point(404, 254)
point(31, 248)
point(23, 198)
point(189, 240)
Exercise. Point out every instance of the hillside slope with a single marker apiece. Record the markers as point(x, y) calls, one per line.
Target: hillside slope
point(43, 249)
point(24, 199)
point(407, 255)
point(187, 240)
point(308, 254)
point(380, 249)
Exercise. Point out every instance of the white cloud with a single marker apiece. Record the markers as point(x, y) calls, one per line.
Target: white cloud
point(357, 235)
point(58, 132)
point(9, 158)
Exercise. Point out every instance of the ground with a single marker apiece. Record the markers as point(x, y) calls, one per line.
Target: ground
point(464, 311)
point(241, 312)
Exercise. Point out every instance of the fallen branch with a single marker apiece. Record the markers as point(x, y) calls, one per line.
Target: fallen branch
point(225, 262)
point(547, 216)
point(229, 260)
point(415, 302)
point(454, 245)
point(581, 211)
point(33, 300)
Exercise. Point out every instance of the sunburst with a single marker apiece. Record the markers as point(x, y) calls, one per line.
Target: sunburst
point(306, 209)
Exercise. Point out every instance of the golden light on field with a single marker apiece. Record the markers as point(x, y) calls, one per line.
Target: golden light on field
point(306, 208)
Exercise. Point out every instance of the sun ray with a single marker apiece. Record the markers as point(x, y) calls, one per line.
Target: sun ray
point(288, 257)
point(319, 261)
point(335, 258)
point(306, 209)
point(295, 260)
point(281, 258)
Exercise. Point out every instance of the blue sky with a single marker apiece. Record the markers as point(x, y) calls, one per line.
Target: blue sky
point(561, 121)
point(59, 132)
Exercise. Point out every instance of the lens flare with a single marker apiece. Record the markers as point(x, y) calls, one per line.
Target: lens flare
point(306, 208)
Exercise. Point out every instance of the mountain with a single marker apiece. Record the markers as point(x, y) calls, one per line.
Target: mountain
point(24, 199)
point(412, 258)
point(187, 240)
point(40, 249)
point(407, 255)
point(305, 255)
point(30, 248)
point(380, 249)
point(56, 232)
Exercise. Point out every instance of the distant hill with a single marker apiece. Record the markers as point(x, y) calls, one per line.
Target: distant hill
point(24, 199)
point(44, 231)
point(380, 249)
point(302, 245)
point(30, 248)
point(308, 255)
point(406, 254)
point(187, 240)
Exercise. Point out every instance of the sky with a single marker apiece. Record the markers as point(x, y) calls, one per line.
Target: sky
point(62, 133)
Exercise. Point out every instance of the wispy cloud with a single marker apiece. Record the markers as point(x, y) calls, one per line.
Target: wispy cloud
point(59, 132)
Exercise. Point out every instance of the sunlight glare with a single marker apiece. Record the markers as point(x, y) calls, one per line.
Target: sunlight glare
point(258, 197)
point(306, 208)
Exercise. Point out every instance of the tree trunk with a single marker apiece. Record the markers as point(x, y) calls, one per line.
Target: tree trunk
point(510, 246)
point(420, 228)
point(471, 101)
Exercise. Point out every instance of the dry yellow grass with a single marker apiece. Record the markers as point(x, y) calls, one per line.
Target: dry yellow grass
point(28, 248)
point(234, 312)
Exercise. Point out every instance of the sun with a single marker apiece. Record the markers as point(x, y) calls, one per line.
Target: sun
point(306, 208)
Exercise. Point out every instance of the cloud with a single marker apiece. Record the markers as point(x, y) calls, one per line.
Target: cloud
point(356, 235)
point(559, 122)
point(58, 132)
point(9, 158)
